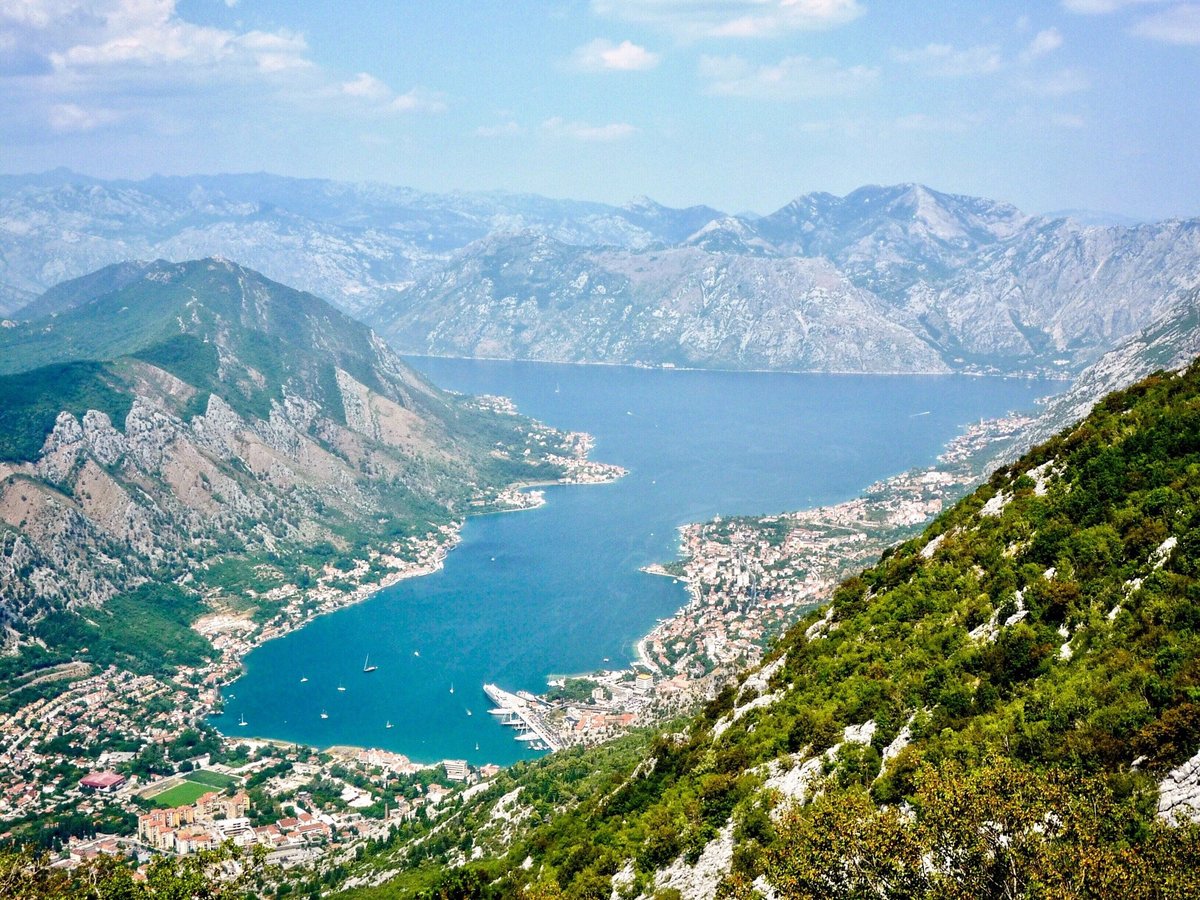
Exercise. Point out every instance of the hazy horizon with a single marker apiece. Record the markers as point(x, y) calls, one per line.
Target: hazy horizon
point(737, 104)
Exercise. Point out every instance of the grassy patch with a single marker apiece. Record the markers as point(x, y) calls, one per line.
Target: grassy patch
point(216, 780)
point(181, 795)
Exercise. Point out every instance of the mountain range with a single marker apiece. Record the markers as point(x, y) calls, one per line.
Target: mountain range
point(884, 279)
point(896, 278)
point(350, 243)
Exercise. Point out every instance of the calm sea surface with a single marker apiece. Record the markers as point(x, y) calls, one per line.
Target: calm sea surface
point(557, 589)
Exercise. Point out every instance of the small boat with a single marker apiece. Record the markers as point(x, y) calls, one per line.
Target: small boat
point(477, 746)
point(416, 653)
point(324, 715)
point(341, 687)
point(303, 678)
point(242, 719)
point(367, 667)
point(389, 724)
point(468, 712)
point(452, 687)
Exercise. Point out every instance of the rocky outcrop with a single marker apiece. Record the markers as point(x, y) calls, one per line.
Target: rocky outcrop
point(1179, 792)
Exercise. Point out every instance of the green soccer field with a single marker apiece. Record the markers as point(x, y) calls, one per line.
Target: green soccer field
point(180, 795)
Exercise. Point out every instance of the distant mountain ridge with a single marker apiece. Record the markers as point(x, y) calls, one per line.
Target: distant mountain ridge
point(913, 279)
point(349, 242)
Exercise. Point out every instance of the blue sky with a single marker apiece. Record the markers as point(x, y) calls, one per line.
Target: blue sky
point(741, 104)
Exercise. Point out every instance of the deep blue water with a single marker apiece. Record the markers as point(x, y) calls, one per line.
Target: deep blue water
point(557, 589)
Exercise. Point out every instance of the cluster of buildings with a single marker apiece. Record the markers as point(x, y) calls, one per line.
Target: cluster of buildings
point(213, 819)
point(37, 775)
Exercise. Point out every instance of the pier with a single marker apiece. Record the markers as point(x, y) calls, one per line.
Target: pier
point(522, 714)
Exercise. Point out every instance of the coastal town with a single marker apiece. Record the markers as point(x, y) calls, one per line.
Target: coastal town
point(111, 761)
point(750, 578)
point(115, 762)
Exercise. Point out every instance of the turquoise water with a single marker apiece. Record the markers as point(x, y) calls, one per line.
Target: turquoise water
point(557, 589)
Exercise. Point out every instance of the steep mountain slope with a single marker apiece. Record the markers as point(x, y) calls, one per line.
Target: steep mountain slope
point(1170, 343)
point(1059, 290)
point(889, 238)
point(349, 242)
point(1005, 705)
point(531, 297)
point(981, 286)
point(198, 422)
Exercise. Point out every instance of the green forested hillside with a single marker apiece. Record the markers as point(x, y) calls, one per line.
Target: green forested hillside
point(987, 712)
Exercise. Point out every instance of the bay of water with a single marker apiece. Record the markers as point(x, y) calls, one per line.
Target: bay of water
point(558, 589)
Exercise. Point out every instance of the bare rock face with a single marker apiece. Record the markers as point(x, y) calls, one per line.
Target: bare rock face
point(1179, 792)
point(1171, 342)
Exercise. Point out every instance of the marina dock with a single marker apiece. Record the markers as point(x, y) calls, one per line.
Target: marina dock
point(521, 713)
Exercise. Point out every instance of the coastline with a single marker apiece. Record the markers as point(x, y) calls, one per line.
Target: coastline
point(749, 578)
point(235, 635)
point(660, 367)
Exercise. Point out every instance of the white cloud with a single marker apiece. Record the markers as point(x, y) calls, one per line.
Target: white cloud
point(601, 55)
point(694, 19)
point(1044, 42)
point(582, 131)
point(376, 95)
point(1102, 7)
point(792, 78)
point(367, 86)
point(418, 100)
point(77, 65)
point(504, 129)
point(106, 34)
point(947, 61)
point(1177, 25)
point(66, 117)
point(1056, 84)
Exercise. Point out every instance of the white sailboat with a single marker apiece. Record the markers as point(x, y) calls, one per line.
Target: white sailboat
point(367, 667)
point(341, 687)
point(452, 687)
point(324, 715)
point(389, 724)
point(242, 719)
